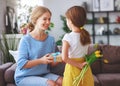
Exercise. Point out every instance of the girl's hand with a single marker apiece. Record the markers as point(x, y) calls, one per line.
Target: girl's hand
point(82, 65)
point(47, 59)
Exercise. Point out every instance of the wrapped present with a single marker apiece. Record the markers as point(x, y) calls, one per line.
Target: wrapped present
point(57, 57)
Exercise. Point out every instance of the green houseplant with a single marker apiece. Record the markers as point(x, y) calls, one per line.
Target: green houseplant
point(8, 42)
point(65, 29)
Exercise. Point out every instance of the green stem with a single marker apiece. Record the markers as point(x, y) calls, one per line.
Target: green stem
point(78, 79)
point(82, 74)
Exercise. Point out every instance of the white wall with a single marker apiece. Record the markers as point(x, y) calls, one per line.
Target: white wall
point(59, 7)
point(2, 13)
point(3, 5)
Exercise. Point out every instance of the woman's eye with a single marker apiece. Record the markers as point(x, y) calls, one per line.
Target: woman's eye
point(44, 19)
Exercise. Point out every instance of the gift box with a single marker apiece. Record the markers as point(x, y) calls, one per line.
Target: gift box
point(57, 57)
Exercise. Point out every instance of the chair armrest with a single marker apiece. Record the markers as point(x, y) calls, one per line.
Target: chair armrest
point(9, 74)
point(58, 69)
point(3, 67)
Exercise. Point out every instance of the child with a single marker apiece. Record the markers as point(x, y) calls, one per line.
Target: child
point(75, 46)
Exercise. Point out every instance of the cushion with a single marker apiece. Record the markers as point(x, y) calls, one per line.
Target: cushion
point(110, 68)
point(9, 74)
point(111, 53)
point(14, 54)
point(109, 79)
point(96, 67)
point(2, 70)
point(96, 81)
point(11, 84)
point(58, 69)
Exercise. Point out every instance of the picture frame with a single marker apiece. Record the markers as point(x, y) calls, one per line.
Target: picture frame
point(96, 5)
point(106, 5)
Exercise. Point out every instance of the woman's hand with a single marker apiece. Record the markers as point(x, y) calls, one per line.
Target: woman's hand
point(54, 64)
point(47, 59)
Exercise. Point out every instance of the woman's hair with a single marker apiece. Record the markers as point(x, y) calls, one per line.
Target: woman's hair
point(77, 15)
point(35, 14)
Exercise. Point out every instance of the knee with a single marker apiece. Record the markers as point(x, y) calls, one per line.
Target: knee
point(59, 81)
point(51, 83)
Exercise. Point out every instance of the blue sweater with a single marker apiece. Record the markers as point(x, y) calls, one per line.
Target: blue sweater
point(29, 49)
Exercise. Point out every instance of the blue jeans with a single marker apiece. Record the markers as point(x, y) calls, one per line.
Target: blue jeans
point(38, 80)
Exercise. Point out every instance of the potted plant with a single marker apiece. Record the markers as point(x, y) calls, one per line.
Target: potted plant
point(65, 29)
point(8, 42)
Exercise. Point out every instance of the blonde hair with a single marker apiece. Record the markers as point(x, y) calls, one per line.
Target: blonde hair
point(37, 12)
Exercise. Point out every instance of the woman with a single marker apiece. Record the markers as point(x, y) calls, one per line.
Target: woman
point(34, 53)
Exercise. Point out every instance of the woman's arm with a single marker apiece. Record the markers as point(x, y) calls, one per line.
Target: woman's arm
point(46, 59)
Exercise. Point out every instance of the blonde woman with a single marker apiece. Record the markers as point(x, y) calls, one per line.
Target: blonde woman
point(34, 48)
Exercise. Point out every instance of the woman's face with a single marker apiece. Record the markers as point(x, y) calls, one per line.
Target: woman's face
point(43, 21)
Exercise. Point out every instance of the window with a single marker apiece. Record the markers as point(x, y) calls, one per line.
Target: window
point(24, 9)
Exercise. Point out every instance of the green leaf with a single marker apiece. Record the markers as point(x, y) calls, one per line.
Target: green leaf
point(8, 43)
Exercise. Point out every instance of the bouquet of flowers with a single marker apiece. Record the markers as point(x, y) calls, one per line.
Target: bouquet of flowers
point(89, 59)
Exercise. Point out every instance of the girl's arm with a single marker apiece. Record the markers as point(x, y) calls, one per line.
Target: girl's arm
point(65, 58)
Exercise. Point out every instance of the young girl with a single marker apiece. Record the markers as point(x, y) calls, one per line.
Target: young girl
point(75, 46)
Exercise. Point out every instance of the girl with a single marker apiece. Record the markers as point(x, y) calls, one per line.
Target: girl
point(75, 46)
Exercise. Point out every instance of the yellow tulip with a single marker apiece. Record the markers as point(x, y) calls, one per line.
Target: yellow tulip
point(97, 55)
point(89, 59)
point(97, 52)
point(106, 61)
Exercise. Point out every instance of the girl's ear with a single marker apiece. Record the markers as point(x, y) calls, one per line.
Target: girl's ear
point(70, 21)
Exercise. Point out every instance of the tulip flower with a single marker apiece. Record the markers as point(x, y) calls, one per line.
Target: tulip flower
point(89, 59)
